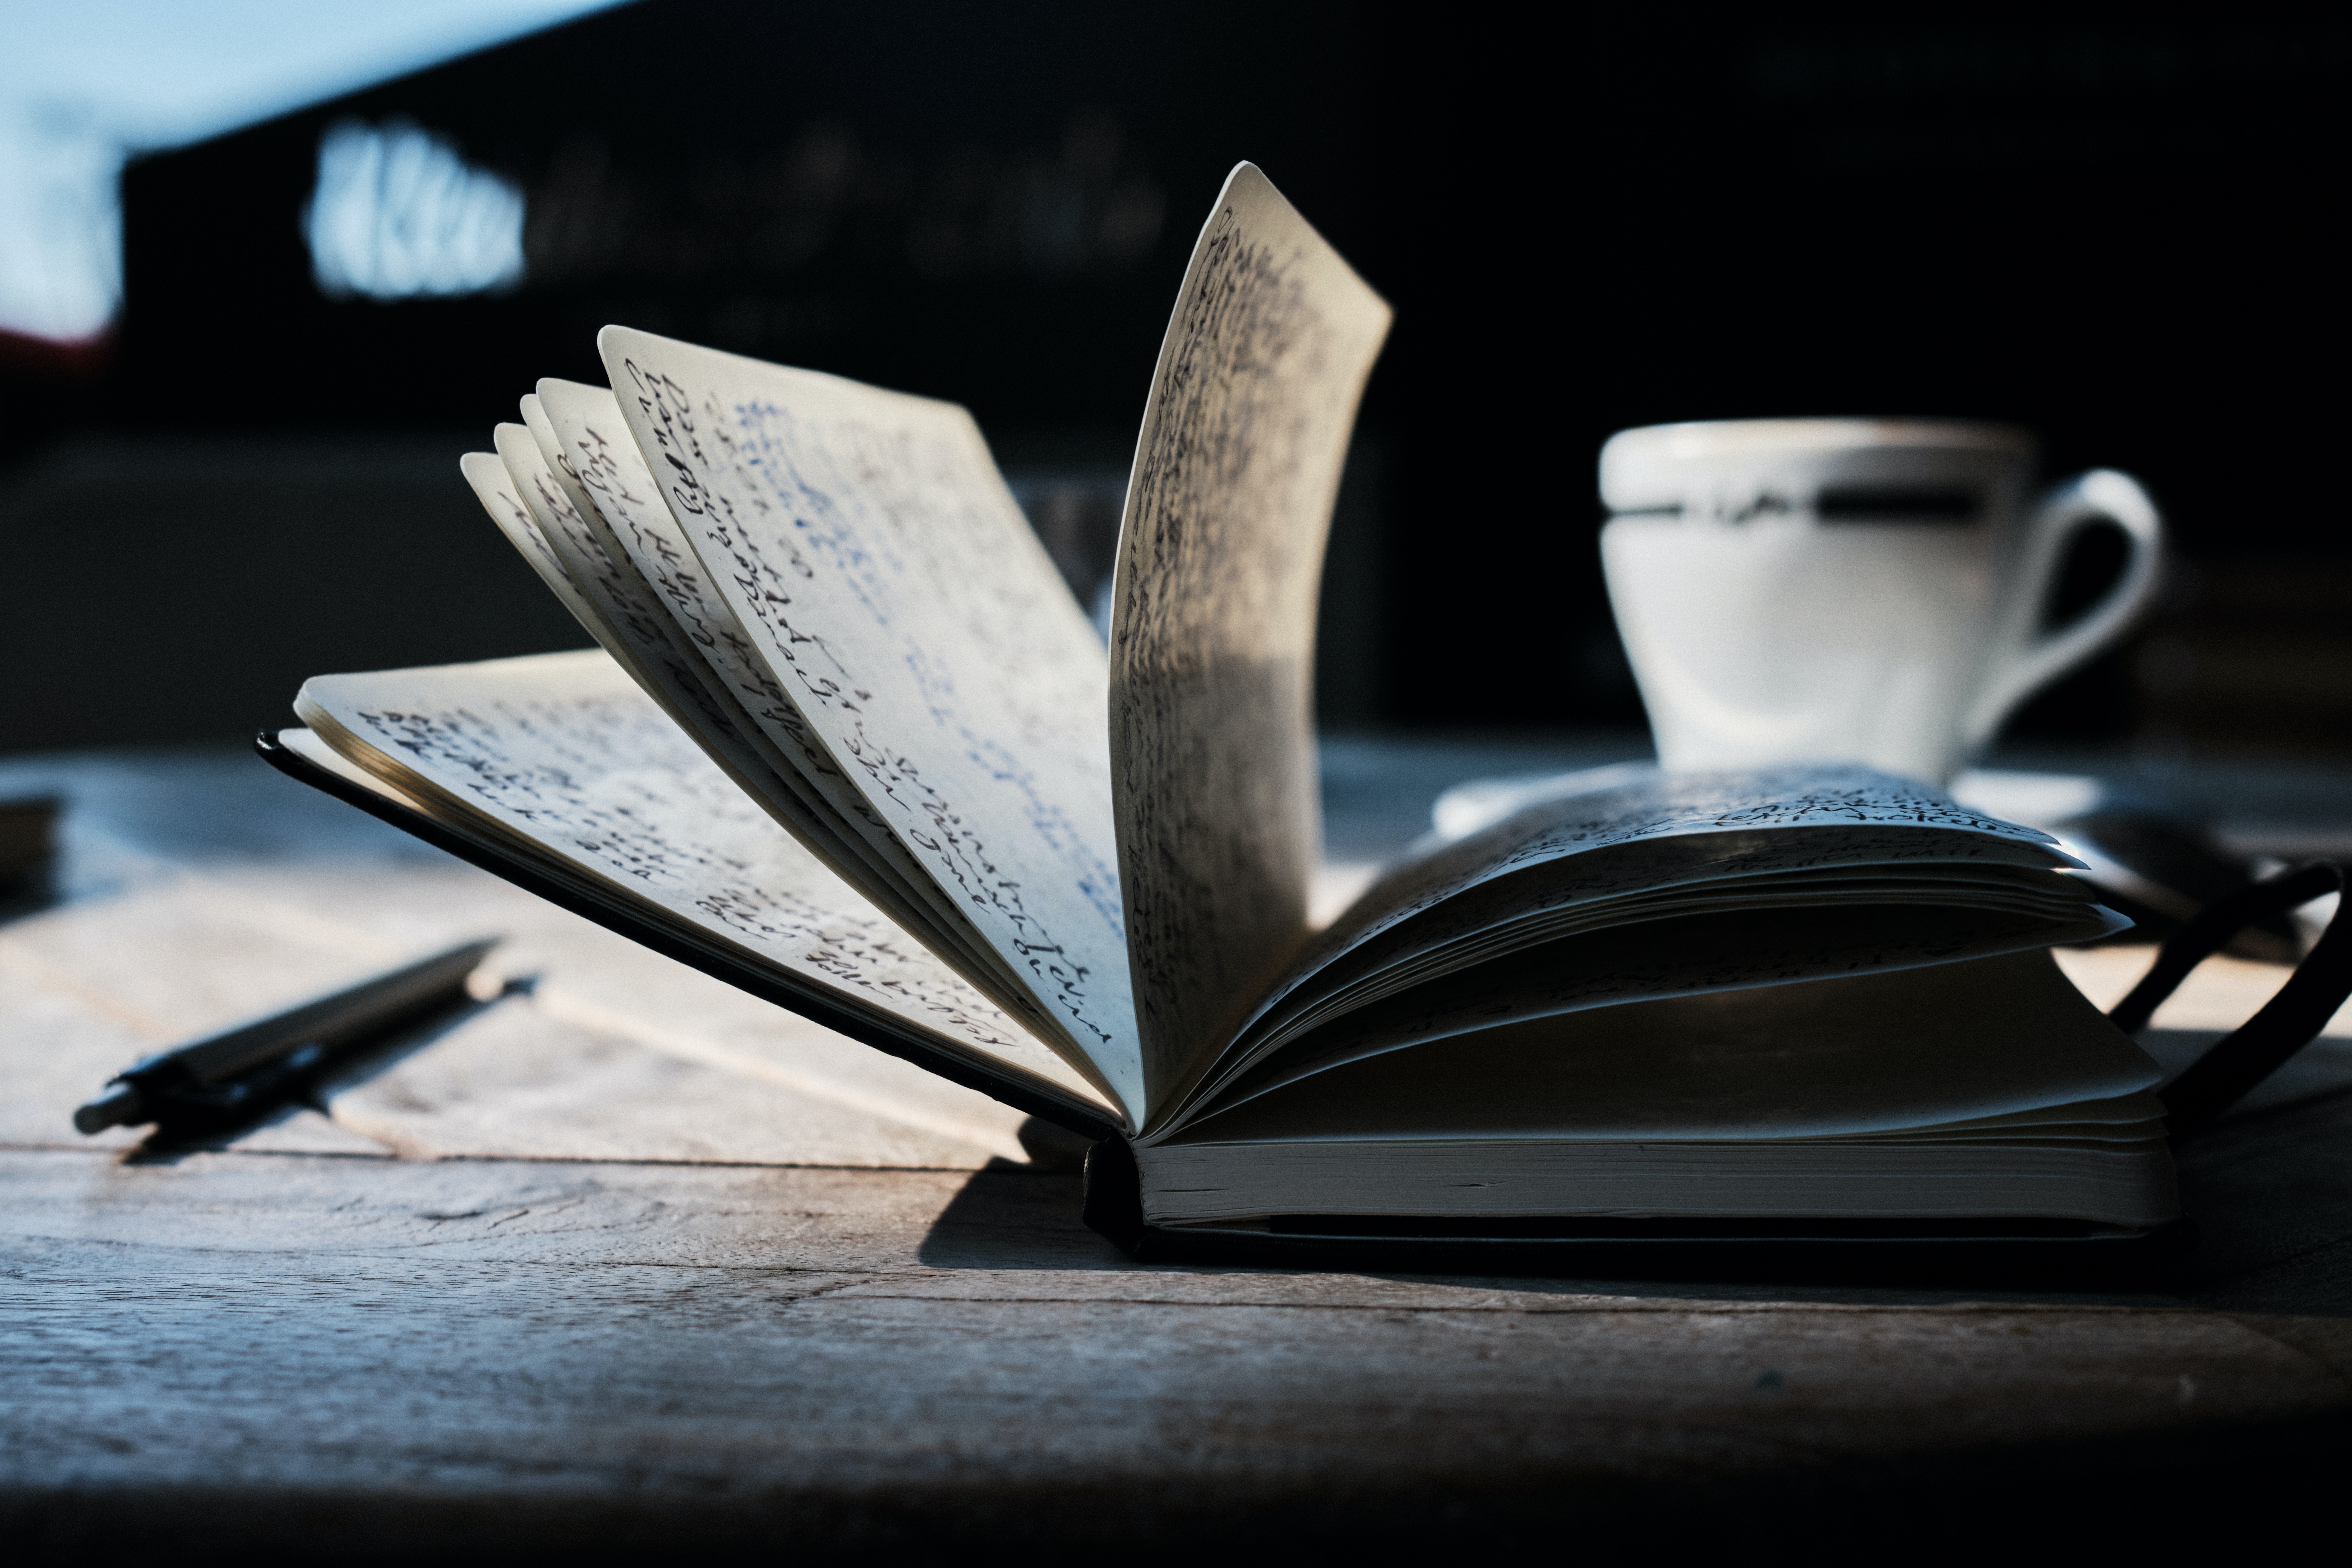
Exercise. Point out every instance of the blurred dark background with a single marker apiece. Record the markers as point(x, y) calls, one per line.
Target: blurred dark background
point(2126, 231)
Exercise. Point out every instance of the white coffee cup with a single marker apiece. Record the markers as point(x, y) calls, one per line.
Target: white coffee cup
point(1849, 590)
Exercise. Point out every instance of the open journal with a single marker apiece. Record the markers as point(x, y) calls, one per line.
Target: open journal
point(847, 739)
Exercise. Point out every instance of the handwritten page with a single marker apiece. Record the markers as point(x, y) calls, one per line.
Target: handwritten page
point(662, 591)
point(495, 488)
point(1213, 624)
point(560, 756)
point(1669, 828)
point(616, 495)
point(1779, 861)
point(637, 631)
point(582, 574)
point(1650, 829)
point(808, 810)
point(633, 631)
point(865, 543)
point(550, 451)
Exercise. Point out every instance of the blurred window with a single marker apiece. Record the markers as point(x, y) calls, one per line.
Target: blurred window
point(398, 213)
point(85, 84)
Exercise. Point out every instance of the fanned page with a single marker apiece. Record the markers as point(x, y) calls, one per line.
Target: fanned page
point(1663, 885)
point(561, 761)
point(864, 543)
point(1213, 624)
point(633, 631)
point(603, 591)
point(748, 725)
point(495, 488)
point(2003, 1042)
point(594, 455)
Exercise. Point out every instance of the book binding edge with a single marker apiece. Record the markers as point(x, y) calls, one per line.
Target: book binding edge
point(1112, 1207)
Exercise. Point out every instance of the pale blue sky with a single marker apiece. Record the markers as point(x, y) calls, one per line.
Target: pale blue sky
point(83, 83)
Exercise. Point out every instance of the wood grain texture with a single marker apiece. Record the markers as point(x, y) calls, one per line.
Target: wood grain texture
point(617, 1053)
point(566, 1354)
point(348, 1352)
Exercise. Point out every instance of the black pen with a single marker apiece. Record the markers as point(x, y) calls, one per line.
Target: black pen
point(233, 1071)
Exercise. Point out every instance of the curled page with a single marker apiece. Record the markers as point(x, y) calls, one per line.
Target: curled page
point(618, 493)
point(495, 488)
point(1648, 849)
point(865, 543)
point(1648, 830)
point(1731, 949)
point(1996, 1047)
point(564, 761)
point(1213, 620)
point(617, 499)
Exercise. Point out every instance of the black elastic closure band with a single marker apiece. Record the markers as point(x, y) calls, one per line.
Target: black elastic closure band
point(2286, 1023)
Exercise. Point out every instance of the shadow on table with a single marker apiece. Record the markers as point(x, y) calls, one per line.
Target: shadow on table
point(1016, 1217)
point(2268, 1193)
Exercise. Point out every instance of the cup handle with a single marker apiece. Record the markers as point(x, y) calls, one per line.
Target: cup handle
point(2031, 658)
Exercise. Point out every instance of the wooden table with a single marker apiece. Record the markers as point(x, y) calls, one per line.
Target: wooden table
point(311, 1338)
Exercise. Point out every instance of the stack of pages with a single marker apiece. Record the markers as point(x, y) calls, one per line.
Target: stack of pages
point(847, 739)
